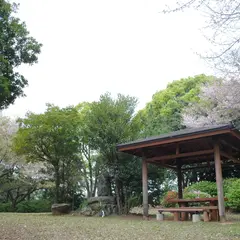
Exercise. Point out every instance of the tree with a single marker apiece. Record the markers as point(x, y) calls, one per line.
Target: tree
point(17, 178)
point(219, 103)
point(7, 158)
point(163, 113)
point(21, 181)
point(89, 158)
point(110, 122)
point(16, 47)
point(223, 21)
point(52, 138)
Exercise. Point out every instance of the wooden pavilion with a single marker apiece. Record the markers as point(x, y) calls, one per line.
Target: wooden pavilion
point(215, 146)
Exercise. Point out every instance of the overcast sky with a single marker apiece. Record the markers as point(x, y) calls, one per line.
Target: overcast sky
point(94, 46)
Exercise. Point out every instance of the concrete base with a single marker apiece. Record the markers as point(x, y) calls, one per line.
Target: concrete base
point(159, 216)
point(196, 218)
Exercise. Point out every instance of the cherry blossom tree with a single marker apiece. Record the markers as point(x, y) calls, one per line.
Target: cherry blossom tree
point(219, 104)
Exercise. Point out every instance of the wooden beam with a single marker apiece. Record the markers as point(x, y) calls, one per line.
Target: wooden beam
point(170, 140)
point(224, 154)
point(145, 188)
point(163, 165)
point(236, 134)
point(230, 145)
point(218, 170)
point(181, 155)
point(207, 166)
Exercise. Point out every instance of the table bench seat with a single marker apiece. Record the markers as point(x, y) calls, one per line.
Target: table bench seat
point(206, 210)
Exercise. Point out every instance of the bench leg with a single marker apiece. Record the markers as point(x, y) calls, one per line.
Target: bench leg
point(184, 216)
point(176, 216)
point(205, 216)
point(214, 215)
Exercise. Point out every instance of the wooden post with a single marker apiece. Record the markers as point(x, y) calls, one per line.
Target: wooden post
point(219, 181)
point(145, 188)
point(184, 215)
point(179, 176)
point(179, 173)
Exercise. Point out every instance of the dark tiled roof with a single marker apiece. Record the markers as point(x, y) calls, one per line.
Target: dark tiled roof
point(178, 134)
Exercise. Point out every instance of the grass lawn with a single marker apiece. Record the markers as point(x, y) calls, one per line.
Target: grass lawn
point(45, 226)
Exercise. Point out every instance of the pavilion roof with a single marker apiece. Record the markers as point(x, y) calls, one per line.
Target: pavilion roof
point(189, 146)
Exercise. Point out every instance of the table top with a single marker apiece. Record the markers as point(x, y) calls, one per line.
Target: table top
point(177, 200)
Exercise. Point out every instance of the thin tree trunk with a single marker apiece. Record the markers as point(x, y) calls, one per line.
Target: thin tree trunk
point(62, 196)
point(57, 183)
point(125, 201)
point(118, 196)
point(90, 171)
point(86, 181)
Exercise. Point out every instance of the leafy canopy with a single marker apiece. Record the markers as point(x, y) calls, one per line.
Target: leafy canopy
point(16, 47)
point(50, 136)
point(163, 113)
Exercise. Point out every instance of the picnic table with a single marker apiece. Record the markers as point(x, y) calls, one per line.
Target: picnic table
point(210, 209)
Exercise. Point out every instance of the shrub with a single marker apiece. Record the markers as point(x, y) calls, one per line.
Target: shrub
point(169, 195)
point(134, 201)
point(204, 187)
point(233, 194)
point(195, 194)
point(5, 207)
point(83, 204)
point(227, 184)
point(34, 206)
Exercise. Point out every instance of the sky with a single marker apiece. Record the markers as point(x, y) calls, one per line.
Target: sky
point(94, 46)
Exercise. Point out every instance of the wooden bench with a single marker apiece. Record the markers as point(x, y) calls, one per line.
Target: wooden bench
point(205, 210)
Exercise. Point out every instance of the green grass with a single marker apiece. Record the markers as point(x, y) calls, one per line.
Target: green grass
point(45, 226)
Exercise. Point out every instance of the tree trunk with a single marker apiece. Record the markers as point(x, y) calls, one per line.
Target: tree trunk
point(90, 171)
point(62, 195)
point(126, 207)
point(118, 196)
point(14, 205)
point(57, 183)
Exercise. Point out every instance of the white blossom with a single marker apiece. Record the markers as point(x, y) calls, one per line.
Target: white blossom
point(219, 104)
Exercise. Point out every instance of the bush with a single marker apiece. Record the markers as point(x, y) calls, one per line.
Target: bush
point(34, 206)
point(83, 204)
point(134, 201)
point(5, 207)
point(169, 195)
point(204, 187)
point(195, 194)
point(227, 184)
point(233, 194)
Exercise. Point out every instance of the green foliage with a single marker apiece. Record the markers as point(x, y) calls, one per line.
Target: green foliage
point(204, 187)
point(83, 204)
point(34, 206)
point(233, 195)
point(195, 194)
point(110, 123)
point(52, 138)
point(16, 48)
point(5, 207)
point(134, 201)
point(163, 113)
point(227, 184)
point(231, 187)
